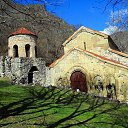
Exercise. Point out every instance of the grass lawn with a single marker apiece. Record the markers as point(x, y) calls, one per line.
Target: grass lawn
point(39, 107)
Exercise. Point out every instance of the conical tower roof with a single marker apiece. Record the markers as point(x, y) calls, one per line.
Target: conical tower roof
point(23, 31)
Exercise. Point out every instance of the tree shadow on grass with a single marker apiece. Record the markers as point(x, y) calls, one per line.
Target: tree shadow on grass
point(41, 104)
point(77, 112)
point(18, 108)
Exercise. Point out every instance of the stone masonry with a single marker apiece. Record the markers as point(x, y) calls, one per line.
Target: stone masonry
point(91, 63)
point(18, 69)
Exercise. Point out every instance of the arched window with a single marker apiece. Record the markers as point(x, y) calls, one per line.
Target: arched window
point(111, 91)
point(15, 51)
point(27, 50)
point(98, 82)
point(35, 51)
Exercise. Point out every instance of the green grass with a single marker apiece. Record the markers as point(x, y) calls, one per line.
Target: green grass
point(39, 107)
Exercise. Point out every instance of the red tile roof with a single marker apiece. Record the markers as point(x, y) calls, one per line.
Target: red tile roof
point(104, 58)
point(118, 52)
point(23, 31)
point(92, 54)
point(56, 61)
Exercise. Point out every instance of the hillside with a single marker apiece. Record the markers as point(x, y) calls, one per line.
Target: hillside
point(121, 40)
point(50, 29)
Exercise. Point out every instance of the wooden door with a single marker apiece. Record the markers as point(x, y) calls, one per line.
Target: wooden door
point(78, 81)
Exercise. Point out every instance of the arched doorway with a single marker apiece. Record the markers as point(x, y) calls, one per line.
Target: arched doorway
point(78, 81)
point(30, 74)
point(27, 50)
point(15, 51)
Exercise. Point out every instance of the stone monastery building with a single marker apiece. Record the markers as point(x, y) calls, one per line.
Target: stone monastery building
point(91, 63)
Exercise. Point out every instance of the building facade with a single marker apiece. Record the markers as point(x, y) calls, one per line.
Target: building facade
point(91, 63)
point(22, 65)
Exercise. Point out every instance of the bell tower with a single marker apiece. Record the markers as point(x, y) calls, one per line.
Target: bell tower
point(22, 43)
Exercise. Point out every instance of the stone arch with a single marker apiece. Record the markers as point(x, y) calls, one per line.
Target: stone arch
point(79, 69)
point(111, 87)
point(15, 51)
point(98, 82)
point(27, 50)
point(78, 81)
point(110, 79)
point(111, 91)
point(30, 74)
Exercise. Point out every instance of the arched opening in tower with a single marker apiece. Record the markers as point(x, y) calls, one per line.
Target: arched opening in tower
point(30, 74)
point(78, 81)
point(27, 50)
point(15, 51)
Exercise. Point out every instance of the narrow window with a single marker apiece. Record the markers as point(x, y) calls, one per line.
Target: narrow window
point(84, 45)
point(35, 51)
point(27, 50)
point(15, 51)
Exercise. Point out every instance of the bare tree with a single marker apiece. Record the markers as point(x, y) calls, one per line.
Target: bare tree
point(119, 13)
point(38, 19)
point(11, 9)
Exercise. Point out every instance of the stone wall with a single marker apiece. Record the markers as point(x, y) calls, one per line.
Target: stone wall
point(112, 75)
point(2, 66)
point(48, 77)
point(20, 41)
point(17, 69)
point(88, 39)
point(115, 57)
point(111, 55)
